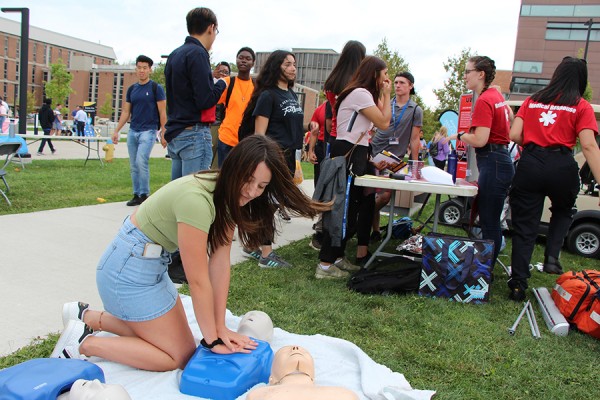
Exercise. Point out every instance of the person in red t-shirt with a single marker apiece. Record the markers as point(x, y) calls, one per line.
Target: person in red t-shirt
point(490, 125)
point(547, 126)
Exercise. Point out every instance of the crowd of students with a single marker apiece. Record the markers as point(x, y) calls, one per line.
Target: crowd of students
point(197, 212)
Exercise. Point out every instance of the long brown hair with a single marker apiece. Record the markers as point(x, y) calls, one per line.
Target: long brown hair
point(365, 77)
point(255, 220)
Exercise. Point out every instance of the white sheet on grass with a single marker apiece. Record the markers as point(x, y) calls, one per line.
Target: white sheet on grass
point(337, 363)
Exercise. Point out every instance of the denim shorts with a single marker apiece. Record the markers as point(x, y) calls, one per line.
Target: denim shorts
point(132, 287)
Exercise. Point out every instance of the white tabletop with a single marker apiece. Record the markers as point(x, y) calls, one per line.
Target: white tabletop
point(41, 136)
point(461, 188)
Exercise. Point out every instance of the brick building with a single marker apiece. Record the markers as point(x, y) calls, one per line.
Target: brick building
point(549, 30)
point(45, 47)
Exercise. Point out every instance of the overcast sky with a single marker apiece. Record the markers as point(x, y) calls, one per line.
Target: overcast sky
point(424, 32)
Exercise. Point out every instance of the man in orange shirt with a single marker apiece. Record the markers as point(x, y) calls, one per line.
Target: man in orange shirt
point(235, 98)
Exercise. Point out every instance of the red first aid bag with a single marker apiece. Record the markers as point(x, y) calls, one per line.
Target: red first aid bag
point(577, 296)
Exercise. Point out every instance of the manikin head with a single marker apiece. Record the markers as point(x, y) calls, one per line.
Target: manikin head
point(291, 360)
point(96, 390)
point(258, 325)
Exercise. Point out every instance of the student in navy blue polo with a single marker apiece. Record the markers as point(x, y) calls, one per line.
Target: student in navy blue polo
point(192, 96)
point(145, 104)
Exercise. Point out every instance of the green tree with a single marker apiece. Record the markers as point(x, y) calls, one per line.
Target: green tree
point(31, 106)
point(395, 62)
point(454, 86)
point(107, 109)
point(158, 74)
point(588, 93)
point(59, 86)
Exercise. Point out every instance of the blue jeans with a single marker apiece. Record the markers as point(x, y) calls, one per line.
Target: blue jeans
point(134, 287)
point(190, 151)
point(139, 146)
point(222, 151)
point(496, 172)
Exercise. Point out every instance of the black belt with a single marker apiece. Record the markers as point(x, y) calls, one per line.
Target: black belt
point(490, 147)
point(199, 124)
point(552, 149)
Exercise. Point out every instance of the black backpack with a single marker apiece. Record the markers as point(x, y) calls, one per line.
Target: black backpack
point(398, 274)
point(247, 125)
point(222, 108)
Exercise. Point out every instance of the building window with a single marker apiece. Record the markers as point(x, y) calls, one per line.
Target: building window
point(575, 31)
point(49, 54)
point(527, 86)
point(5, 91)
point(5, 68)
point(5, 45)
point(60, 55)
point(69, 59)
point(44, 80)
point(34, 52)
point(45, 54)
point(560, 11)
point(532, 67)
point(91, 88)
point(33, 74)
point(18, 49)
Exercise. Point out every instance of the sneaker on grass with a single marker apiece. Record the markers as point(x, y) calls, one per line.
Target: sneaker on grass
point(256, 254)
point(346, 265)
point(73, 311)
point(332, 272)
point(70, 340)
point(273, 261)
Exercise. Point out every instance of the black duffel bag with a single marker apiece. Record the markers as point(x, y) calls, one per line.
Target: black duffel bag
point(398, 274)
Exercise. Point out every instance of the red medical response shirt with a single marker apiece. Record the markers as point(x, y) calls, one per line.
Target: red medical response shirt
point(490, 111)
point(319, 118)
point(555, 125)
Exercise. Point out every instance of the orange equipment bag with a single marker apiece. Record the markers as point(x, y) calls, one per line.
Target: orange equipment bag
point(577, 296)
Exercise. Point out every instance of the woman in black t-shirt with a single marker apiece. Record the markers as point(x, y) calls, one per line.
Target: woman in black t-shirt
point(274, 111)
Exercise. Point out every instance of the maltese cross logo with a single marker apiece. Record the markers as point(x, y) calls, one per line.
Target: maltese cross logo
point(548, 118)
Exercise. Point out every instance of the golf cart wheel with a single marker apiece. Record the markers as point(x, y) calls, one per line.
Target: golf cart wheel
point(450, 213)
point(584, 240)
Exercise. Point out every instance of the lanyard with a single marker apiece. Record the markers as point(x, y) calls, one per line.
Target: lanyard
point(397, 121)
point(346, 203)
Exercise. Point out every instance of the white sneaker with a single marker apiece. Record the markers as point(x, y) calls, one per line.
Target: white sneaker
point(70, 340)
point(73, 311)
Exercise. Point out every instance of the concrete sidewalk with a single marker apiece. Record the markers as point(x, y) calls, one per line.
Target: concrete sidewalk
point(49, 258)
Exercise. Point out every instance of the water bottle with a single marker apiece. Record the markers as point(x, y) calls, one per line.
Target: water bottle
point(452, 163)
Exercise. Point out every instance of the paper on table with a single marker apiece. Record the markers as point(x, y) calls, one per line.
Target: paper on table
point(436, 175)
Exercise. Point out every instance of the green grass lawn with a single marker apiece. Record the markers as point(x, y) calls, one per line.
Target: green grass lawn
point(461, 351)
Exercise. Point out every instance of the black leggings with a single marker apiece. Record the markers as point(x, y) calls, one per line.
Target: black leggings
point(360, 207)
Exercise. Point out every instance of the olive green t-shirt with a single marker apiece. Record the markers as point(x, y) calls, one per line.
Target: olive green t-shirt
point(188, 199)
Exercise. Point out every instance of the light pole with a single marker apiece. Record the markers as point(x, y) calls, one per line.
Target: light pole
point(23, 66)
point(589, 24)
